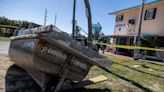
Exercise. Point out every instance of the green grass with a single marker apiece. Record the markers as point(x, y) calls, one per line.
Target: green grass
point(124, 77)
point(4, 39)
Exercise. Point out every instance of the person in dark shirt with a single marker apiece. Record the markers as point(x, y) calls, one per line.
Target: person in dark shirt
point(104, 46)
point(98, 46)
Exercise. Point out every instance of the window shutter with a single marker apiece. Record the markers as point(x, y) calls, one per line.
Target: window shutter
point(116, 18)
point(119, 18)
point(122, 18)
point(154, 15)
point(145, 15)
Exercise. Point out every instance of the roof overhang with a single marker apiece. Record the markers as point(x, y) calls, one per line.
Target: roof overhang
point(121, 35)
point(143, 35)
point(135, 7)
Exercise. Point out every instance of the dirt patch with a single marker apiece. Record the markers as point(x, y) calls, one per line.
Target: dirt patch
point(119, 84)
point(4, 65)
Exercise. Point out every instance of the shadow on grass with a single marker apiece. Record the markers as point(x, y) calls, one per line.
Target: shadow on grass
point(88, 90)
point(155, 63)
point(140, 71)
point(144, 66)
point(18, 80)
point(130, 81)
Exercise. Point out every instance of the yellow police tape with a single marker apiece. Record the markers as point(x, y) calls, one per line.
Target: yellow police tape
point(129, 47)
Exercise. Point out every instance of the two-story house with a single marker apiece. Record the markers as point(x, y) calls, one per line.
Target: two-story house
point(126, 25)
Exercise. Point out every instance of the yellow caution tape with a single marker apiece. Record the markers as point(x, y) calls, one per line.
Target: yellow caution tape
point(129, 47)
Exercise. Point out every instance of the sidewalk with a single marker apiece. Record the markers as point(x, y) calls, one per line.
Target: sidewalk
point(126, 58)
point(4, 47)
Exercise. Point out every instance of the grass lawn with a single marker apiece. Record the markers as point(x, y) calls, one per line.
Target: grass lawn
point(4, 39)
point(130, 76)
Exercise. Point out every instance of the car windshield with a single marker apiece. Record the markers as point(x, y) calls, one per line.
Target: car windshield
point(22, 32)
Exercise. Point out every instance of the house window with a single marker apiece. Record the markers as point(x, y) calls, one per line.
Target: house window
point(119, 18)
point(150, 14)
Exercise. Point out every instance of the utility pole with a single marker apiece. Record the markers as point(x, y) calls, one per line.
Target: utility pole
point(55, 20)
point(74, 21)
point(89, 17)
point(138, 40)
point(45, 17)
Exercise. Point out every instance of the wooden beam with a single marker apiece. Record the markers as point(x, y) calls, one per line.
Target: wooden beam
point(90, 81)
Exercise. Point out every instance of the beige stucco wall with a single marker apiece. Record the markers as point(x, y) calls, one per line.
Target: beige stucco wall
point(155, 26)
point(130, 15)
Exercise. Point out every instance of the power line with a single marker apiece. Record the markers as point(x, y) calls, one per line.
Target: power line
point(19, 11)
point(19, 6)
point(82, 30)
point(58, 7)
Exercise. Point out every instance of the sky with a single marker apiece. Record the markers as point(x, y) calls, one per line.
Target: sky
point(34, 11)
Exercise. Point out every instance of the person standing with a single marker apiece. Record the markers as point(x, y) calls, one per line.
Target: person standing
point(98, 46)
point(104, 46)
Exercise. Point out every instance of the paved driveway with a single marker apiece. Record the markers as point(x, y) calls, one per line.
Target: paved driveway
point(4, 47)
